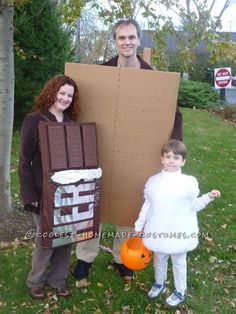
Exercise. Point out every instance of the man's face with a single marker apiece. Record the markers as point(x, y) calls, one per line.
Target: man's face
point(127, 40)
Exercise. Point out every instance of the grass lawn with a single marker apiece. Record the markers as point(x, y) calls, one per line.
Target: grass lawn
point(211, 267)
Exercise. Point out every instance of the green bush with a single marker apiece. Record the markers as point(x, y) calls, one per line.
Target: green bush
point(196, 94)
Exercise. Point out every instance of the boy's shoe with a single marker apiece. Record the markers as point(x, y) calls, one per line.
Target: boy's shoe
point(156, 290)
point(175, 299)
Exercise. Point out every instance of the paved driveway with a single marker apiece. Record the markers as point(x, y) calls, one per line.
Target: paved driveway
point(230, 95)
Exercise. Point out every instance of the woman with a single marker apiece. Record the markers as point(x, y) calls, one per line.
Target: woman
point(57, 102)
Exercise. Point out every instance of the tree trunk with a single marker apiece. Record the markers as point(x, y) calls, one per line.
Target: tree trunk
point(6, 102)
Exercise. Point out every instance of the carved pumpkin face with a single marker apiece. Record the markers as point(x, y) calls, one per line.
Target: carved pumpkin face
point(134, 254)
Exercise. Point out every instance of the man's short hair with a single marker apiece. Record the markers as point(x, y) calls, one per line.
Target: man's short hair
point(127, 22)
point(177, 147)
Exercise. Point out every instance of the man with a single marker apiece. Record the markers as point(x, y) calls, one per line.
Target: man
point(126, 34)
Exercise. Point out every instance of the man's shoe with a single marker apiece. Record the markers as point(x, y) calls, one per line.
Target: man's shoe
point(63, 292)
point(81, 270)
point(125, 272)
point(175, 299)
point(128, 279)
point(37, 294)
point(156, 290)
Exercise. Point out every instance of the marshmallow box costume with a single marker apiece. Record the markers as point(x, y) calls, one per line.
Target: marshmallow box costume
point(168, 217)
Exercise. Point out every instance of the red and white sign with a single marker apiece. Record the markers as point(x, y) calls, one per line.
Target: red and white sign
point(222, 77)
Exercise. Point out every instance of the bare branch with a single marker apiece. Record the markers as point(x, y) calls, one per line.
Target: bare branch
point(226, 5)
point(212, 5)
point(197, 7)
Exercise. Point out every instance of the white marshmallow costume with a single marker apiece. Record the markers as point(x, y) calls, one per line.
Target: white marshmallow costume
point(168, 217)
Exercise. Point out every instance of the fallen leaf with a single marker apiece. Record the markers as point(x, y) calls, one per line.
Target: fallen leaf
point(208, 239)
point(126, 308)
point(109, 293)
point(66, 311)
point(75, 309)
point(127, 288)
point(212, 259)
point(226, 291)
point(98, 311)
point(232, 303)
point(219, 279)
point(223, 226)
point(83, 283)
point(110, 267)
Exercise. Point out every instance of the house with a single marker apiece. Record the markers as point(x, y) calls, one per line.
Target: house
point(148, 40)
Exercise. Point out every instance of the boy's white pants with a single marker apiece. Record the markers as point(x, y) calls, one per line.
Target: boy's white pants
point(179, 266)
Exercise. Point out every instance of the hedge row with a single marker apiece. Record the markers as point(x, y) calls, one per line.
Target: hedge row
point(197, 95)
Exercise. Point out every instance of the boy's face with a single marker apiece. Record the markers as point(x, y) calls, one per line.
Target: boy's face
point(172, 162)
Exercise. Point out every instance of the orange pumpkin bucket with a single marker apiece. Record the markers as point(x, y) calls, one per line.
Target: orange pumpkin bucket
point(134, 254)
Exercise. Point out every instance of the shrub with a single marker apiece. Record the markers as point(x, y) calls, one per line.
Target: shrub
point(196, 94)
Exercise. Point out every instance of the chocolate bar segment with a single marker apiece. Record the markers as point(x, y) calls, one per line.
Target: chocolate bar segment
point(74, 146)
point(57, 147)
point(89, 139)
point(43, 141)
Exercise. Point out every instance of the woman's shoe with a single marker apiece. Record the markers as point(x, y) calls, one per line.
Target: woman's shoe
point(63, 292)
point(37, 294)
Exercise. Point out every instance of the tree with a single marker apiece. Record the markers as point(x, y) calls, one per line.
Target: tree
point(92, 42)
point(113, 10)
point(6, 100)
point(7, 95)
point(196, 26)
point(42, 46)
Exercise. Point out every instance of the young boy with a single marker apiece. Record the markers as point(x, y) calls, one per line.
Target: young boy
point(168, 219)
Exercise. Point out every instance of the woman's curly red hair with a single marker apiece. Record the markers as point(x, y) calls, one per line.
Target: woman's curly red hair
point(47, 96)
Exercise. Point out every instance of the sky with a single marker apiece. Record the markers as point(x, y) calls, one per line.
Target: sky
point(228, 20)
point(229, 16)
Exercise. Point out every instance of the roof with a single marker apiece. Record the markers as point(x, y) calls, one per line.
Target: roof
point(148, 41)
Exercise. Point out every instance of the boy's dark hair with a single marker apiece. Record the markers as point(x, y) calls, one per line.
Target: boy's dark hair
point(127, 22)
point(177, 147)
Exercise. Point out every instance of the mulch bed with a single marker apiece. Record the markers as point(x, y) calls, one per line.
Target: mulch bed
point(15, 224)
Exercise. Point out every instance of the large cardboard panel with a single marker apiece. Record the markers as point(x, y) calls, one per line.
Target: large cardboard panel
point(134, 111)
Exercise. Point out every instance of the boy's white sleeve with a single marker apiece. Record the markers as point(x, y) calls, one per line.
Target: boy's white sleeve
point(140, 222)
point(201, 202)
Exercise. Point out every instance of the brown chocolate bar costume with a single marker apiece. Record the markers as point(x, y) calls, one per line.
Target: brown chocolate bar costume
point(70, 208)
point(69, 211)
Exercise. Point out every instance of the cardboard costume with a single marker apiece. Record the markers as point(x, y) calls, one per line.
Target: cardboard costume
point(71, 182)
point(134, 112)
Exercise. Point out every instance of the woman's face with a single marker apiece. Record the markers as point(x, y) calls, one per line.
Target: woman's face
point(64, 98)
